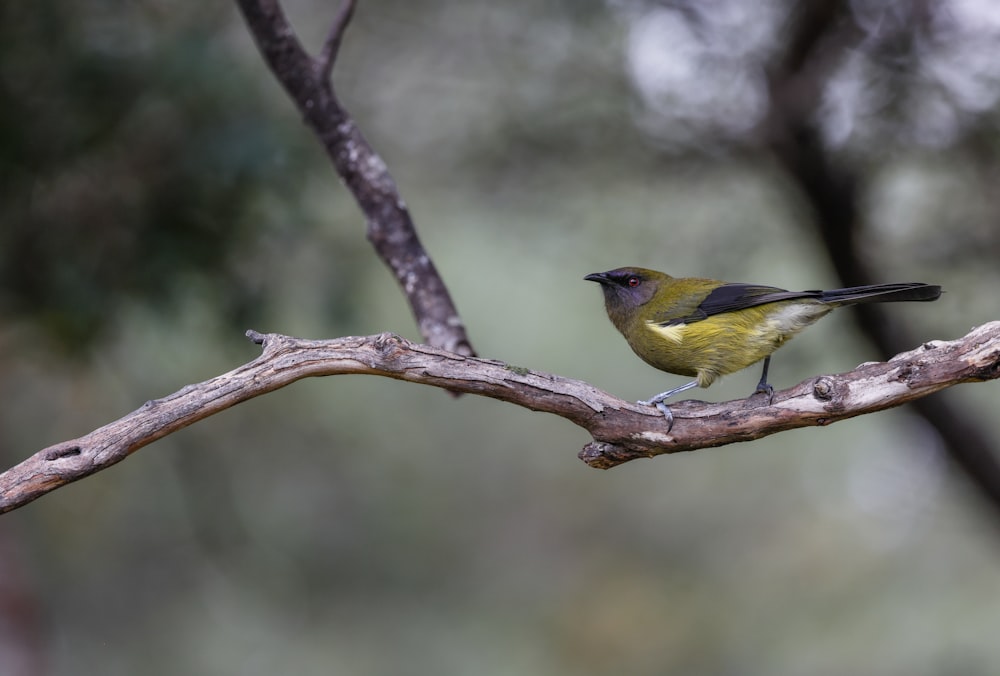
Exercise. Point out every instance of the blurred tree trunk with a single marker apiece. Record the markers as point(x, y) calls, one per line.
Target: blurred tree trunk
point(830, 189)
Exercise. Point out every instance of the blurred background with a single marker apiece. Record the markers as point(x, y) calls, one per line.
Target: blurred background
point(159, 196)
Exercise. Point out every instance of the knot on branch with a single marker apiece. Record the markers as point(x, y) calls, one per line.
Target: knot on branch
point(604, 455)
point(389, 350)
point(824, 388)
point(60, 451)
point(990, 370)
point(908, 373)
point(387, 343)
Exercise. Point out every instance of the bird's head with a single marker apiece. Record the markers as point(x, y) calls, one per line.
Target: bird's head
point(626, 290)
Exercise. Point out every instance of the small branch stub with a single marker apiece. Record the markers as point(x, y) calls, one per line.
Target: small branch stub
point(823, 389)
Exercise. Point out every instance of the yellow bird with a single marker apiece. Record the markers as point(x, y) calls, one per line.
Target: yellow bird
point(704, 328)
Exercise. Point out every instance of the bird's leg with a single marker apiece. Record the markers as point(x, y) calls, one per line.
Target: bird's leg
point(763, 386)
point(657, 401)
point(652, 401)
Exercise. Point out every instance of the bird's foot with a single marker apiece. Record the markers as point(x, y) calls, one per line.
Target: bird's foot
point(665, 410)
point(662, 408)
point(657, 401)
point(765, 388)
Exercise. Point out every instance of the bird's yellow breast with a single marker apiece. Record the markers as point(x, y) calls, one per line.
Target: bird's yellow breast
point(723, 343)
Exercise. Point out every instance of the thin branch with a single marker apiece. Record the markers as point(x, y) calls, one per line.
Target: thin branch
point(621, 430)
point(390, 228)
point(328, 55)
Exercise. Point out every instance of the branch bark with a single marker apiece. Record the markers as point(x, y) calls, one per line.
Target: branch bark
point(621, 430)
point(390, 228)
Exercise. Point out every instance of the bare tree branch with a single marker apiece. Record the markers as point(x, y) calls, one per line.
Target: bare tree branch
point(621, 430)
point(328, 55)
point(389, 225)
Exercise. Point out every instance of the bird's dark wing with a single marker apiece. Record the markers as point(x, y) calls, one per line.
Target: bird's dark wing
point(733, 297)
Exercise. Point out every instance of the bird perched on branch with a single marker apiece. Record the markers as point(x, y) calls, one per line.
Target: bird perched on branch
point(705, 328)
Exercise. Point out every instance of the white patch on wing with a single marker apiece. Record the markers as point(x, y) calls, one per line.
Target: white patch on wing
point(674, 332)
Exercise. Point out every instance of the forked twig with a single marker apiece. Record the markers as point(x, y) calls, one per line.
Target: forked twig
point(389, 225)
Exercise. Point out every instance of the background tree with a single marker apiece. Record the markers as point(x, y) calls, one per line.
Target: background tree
point(535, 143)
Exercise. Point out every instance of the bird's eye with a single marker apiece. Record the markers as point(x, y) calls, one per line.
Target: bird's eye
point(633, 281)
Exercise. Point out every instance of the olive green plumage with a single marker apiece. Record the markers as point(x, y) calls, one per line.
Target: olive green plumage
point(705, 328)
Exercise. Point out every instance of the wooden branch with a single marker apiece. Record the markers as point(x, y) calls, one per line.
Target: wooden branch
point(621, 430)
point(328, 55)
point(389, 225)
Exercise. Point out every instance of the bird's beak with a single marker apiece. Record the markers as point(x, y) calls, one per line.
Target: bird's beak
point(599, 277)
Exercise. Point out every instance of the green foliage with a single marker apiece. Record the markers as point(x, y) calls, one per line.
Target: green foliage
point(131, 148)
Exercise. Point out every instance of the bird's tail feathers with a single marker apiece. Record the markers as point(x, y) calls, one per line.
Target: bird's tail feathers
point(882, 293)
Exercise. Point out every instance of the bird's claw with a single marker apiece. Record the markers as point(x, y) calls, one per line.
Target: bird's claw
point(765, 388)
point(662, 408)
point(665, 410)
